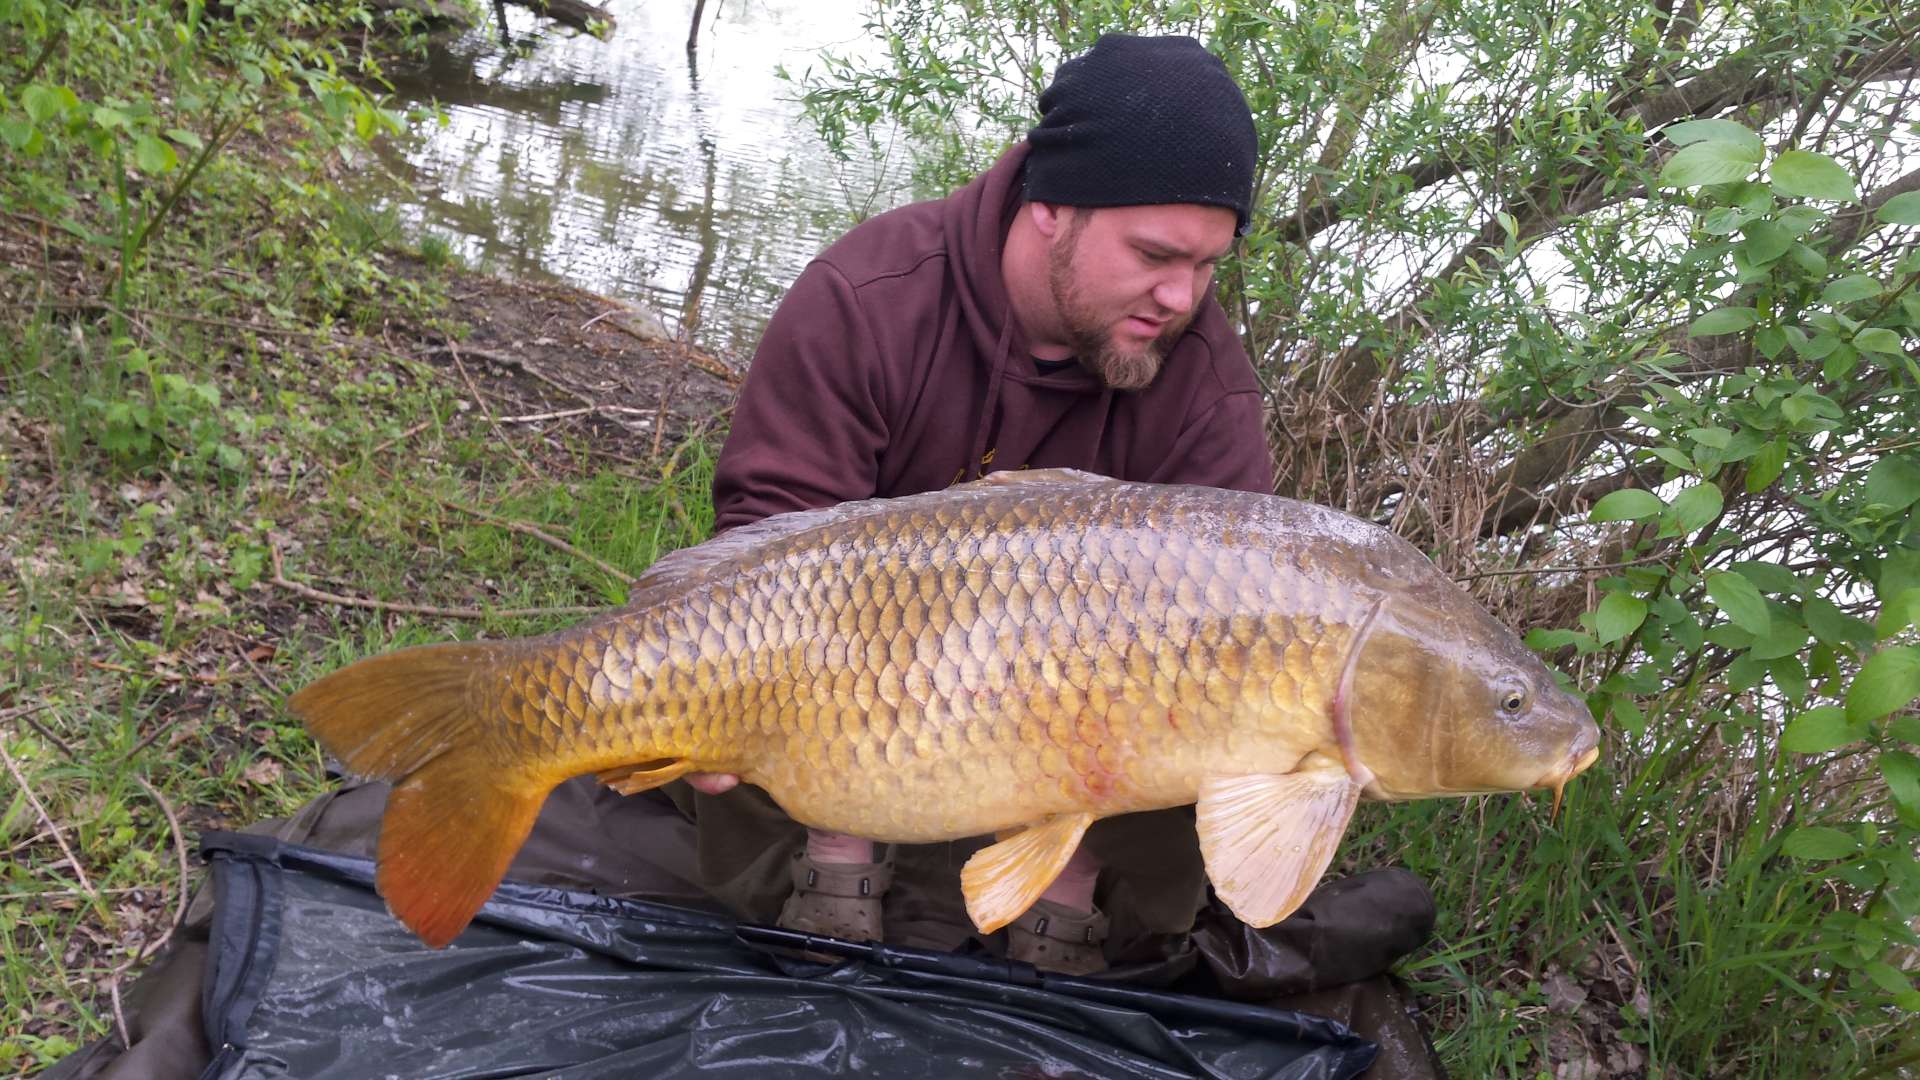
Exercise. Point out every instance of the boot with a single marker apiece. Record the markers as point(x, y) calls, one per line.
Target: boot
point(1052, 937)
point(837, 899)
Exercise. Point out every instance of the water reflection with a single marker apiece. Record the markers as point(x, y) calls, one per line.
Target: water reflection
point(692, 186)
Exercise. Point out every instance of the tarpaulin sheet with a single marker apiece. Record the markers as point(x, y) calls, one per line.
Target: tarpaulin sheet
point(310, 977)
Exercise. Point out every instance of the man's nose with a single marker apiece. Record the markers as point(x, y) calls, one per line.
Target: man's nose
point(1175, 293)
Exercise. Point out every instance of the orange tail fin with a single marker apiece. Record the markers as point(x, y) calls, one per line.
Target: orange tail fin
point(424, 718)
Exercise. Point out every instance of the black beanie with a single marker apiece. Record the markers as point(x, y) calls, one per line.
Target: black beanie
point(1143, 120)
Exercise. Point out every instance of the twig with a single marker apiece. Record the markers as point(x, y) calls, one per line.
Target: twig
point(1642, 561)
point(486, 410)
point(248, 660)
point(504, 360)
point(119, 1015)
point(47, 820)
point(279, 580)
point(180, 856)
point(540, 534)
point(585, 410)
point(16, 711)
point(402, 437)
point(47, 735)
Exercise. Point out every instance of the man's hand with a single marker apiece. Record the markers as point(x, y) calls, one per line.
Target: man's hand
point(712, 783)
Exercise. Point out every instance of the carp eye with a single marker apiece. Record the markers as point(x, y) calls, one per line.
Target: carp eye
point(1512, 702)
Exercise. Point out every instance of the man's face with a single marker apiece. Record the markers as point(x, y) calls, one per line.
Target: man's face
point(1127, 280)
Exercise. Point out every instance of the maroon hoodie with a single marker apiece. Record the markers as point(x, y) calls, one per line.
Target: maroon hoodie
point(894, 366)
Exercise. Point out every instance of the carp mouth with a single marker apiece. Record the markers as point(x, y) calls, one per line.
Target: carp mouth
point(1585, 752)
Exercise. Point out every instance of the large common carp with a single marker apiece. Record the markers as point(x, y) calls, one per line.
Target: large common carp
point(1020, 655)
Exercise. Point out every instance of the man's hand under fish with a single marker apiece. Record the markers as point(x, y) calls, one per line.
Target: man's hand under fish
point(1017, 657)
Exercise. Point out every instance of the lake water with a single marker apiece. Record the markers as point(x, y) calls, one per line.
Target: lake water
point(693, 186)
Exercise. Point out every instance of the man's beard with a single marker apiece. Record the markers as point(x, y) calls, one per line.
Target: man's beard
point(1092, 341)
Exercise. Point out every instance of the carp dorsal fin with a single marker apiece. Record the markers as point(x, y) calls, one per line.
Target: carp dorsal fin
point(1001, 881)
point(1267, 839)
point(645, 776)
point(1038, 476)
point(680, 564)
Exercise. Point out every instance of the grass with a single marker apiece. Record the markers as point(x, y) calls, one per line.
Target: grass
point(151, 646)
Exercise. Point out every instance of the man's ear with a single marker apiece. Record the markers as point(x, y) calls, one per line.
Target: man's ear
point(1049, 219)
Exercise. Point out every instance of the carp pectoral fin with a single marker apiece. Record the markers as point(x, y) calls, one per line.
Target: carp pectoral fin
point(1267, 839)
point(1002, 881)
point(634, 779)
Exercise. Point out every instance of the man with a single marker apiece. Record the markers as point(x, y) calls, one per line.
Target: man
point(1055, 311)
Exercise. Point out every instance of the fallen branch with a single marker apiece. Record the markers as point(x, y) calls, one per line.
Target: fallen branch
point(279, 580)
point(486, 410)
point(46, 819)
point(584, 410)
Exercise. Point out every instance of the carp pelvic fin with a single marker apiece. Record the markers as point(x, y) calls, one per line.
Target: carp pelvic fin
point(1267, 839)
point(1001, 881)
point(634, 779)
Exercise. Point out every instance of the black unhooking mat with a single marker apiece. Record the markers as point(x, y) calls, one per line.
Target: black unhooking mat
point(311, 978)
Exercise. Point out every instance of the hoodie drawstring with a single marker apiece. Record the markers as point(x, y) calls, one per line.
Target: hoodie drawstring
point(975, 467)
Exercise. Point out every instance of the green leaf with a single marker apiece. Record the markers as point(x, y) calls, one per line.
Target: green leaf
point(1766, 241)
point(1805, 174)
point(1766, 465)
point(18, 133)
point(1709, 162)
point(1894, 482)
point(1694, 508)
point(1841, 363)
point(1741, 601)
point(1833, 626)
point(1848, 289)
point(1544, 640)
point(1784, 637)
point(185, 138)
point(1723, 321)
point(105, 116)
point(1902, 773)
point(42, 103)
point(1817, 731)
point(1905, 728)
point(1673, 457)
point(1899, 570)
point(1716, 437)
point(1887, 977)
point(1769, 577)
point(1887, 681)
point(1688, 132)
point(1819, 843)
point(1819, 346)
point(1722, 220)
point(1627, 504)
point(1901, 209)
point(1878, 339)
point(1814, 263)
point(154, 155)
point(1620, 614)
point(1626, 712)
point(1898, 613)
